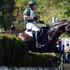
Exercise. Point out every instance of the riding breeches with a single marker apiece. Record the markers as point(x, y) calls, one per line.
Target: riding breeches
point(31, 26)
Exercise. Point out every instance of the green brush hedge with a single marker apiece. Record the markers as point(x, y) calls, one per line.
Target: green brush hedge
point(12, 49)
point(43, 60)
point(14, 52)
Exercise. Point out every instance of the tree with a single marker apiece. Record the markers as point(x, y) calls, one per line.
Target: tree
point(6, 9)
point(46, 9)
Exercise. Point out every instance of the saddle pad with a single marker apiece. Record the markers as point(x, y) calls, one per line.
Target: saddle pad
point(29, 33)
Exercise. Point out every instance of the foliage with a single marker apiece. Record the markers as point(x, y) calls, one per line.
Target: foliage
point(56, 8)
point(14, 52)
point(46, 9)
point(49, 8)
point(65, 35)
point(11, 50)
point(44, 59)
point(6, 10)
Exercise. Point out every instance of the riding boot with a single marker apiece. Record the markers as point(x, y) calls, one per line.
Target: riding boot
point(37, 38)
point(33, 32)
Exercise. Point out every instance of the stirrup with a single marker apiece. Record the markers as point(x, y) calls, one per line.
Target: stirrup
point(39, 45)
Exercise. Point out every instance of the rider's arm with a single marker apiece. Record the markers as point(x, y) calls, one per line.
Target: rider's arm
point(28, 17)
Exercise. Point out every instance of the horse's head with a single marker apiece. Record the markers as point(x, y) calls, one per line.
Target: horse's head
point(61, 27)
point(65, 28)
point(56, 30)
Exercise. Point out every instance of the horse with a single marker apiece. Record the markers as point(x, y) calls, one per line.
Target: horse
point(68, 28)
point(48, 38)
point(30, 41)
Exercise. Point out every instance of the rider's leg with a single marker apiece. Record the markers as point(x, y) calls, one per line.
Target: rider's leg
point(29, 26)
point(36, 35)
point(37, 31)
point(33, 32)
point(37, 39)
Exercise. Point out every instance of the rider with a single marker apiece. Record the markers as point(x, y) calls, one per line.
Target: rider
point(30, 18)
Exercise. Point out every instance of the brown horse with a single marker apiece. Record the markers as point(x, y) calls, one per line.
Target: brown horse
point(53, 32)
point(48, 37)
point(32, 43)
